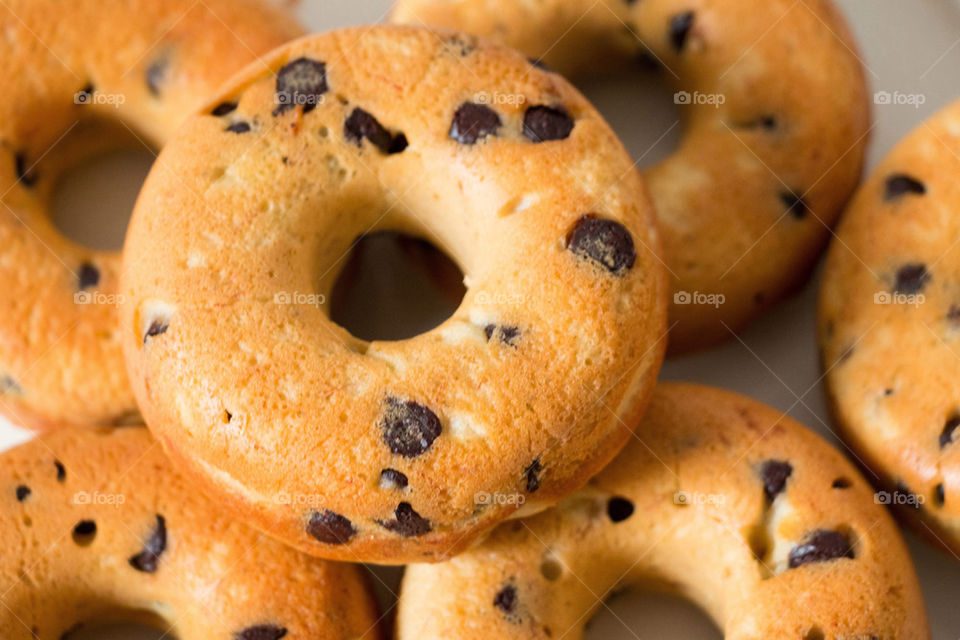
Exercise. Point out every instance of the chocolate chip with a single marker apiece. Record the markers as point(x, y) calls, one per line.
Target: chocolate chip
point(949, 428)
point(680, 26)
point(261, 632)
point(393, 479)
point(61, 471)
point(474, 122)
point(820, 546)
point(619, 509)
point(953, 314)
point(26, 175)
point(604, 242)
point(765, 122)
point(774, 474)
point(156, 73)
point(506, 599)
point(409, 428)
point(84, 532)
point(407, 522)
point(84, 95)
point(153, 548)
point(542, 123)
point(89, 276)
point(301, 82)
point(939, 495)
point(362, 125)
point(900, 184)
point(911, 279)
point(795, 204)
point(239, 127)
point(506, 334)
point(224, 108)
point(539, 64)
point(841, 483)
point(330, 528)
point(532, 473)
point(23, 492)
point(157, 327)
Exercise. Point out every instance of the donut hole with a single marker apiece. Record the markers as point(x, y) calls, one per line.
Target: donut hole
point(659, 615)
point(395, 286)
point(98, 169)
point(642, 109)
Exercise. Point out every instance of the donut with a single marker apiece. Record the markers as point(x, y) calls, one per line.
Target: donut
point(719, 499)
point(97, 526)
point(889, 327)
point(392, 451)
point(85, 77)
point(776, 121)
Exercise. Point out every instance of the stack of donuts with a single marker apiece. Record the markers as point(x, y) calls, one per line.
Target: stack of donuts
point(218, 459)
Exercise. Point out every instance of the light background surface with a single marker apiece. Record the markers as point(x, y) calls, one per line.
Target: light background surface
point(910, 46)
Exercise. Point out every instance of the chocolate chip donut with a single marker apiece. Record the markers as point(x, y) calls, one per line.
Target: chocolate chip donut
point(96, 525)
point(387, 451)
point(890, 327)
point(78, 73)
point(775, 105)
point(720, 499)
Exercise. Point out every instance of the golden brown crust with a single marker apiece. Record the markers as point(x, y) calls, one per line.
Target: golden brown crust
point(286, 416)
point(746, 201)
point(96, 524)
point(712, 500)
point(890, 326)
point(68, 66)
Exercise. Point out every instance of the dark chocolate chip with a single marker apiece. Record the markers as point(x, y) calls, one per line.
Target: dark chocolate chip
point(949, 428)
point(224, 108)
point(84, 532)
point(774, 474)
point(939, 495)
point(532, 474)
point(301, 82)
point(539, 64)
point(820, 546)
point(362, 125)
point(841, 483)
point(542, 123)
point(61, 471)
point(619, 509)
point(409, 428)
point(239, 127)
point(953, 314)
point(506, 599)
point(157, 327)
point(23, 492)
point(26, 175)
point(680, 26)
point(911, 279)
point(330, 528)
point(900, 184)
point(153, 548)
point(89, 276)
point(506, 334)
point(393, 479)
point(604, 242)
point(474, 122)
point(261, 632)
point(795, 204)
point(156, 73)
point(407, 522)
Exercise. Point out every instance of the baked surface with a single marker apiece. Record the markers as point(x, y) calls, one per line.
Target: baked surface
point(719, 499)
point(746, 201)
point(889, 324)
point(97, 525)
point(90, 76)
point(384, 451)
